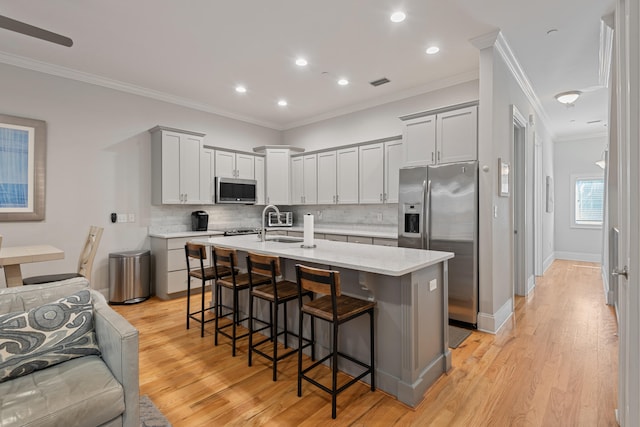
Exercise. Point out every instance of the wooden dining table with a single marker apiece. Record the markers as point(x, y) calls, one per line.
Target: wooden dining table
point(12, 257)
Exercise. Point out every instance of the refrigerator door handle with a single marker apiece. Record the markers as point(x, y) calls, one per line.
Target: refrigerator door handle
point(426, 197)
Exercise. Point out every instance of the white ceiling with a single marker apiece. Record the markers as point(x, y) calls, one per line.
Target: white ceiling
point(195, 52)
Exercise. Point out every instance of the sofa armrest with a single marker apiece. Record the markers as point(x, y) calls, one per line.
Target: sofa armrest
point(118, 341)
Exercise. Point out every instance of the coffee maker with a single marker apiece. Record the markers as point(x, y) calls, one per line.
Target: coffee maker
point(199, 221)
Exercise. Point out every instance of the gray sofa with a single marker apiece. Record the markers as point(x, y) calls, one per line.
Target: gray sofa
point(84, 391)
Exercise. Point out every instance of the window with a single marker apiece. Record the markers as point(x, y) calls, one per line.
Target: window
point(588, 201)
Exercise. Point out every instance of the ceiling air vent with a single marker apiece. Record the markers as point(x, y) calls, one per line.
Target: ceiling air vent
point(379, 82)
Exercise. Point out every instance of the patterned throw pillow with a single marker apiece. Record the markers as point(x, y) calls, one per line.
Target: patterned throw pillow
point(47, 335)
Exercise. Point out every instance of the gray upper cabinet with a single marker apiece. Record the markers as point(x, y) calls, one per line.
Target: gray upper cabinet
point(443, 137)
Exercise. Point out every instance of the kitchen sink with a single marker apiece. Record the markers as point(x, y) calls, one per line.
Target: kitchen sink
point(285, 239)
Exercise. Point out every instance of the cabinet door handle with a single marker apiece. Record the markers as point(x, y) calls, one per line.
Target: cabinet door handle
point(438, 155)
point(432, 158)
point(381, 199)
point(337, 198)
point(334, 198)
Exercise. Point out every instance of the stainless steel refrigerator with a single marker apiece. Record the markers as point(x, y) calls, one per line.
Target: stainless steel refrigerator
point(438, 210)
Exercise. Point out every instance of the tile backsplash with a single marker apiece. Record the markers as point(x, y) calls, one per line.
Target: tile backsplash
point(177, 218)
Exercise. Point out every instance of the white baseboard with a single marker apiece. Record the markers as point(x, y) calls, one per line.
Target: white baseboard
point(547, 263)
point(531, 284)
point(492, 323)
point(579, 256)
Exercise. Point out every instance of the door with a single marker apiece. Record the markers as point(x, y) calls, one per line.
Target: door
point(392, 163)
point(207, 175)
point(327, 178)
point(420, 141)
point(259, 177)
point(457, 135)
point(190, 147)
point(371, 179)
point(453, 227)
point(519, 197)
point(245, 166)
point(171, 193)
point(347, 175)
point(297, 180)
point(310, 178)
point(225, 164)
point(628, 131)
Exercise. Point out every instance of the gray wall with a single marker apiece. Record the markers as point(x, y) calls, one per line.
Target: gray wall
point(575, 157)
point(98, 162)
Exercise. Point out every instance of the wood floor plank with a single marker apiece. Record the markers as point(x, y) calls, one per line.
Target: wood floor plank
point(554, 363)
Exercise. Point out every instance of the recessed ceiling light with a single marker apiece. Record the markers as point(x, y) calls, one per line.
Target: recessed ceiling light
point(398, 16)
point(343, 82)
point(241, 89)
point(433, 50)
point(569, 97)
point(282, 102)
point(301, 62)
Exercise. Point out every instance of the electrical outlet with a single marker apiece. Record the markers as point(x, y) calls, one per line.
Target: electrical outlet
point(433, 285)
point(319, 214)
point(132, 217)
point(122, 217)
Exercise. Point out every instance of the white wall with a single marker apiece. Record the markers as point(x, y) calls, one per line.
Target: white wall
point(376, 122)
point(575, 157)
point(98, 162)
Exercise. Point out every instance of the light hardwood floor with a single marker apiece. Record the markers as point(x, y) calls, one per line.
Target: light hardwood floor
point(553, 364)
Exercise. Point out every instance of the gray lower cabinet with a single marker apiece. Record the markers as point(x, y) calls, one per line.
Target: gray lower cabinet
point(360, 239)
point(170, 270)
point(385, 242)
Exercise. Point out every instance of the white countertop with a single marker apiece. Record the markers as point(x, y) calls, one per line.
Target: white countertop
point(186, 234)
point(382, 233)
point(385, 260)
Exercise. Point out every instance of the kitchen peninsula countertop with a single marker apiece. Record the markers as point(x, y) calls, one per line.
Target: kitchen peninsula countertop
point(384, 260)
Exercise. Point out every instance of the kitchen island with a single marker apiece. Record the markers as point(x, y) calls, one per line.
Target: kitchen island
point(411, 317)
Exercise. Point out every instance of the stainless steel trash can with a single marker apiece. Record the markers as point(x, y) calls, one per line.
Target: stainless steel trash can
point(129, 276)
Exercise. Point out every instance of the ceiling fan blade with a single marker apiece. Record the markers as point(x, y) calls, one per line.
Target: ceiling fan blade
point(30, 30)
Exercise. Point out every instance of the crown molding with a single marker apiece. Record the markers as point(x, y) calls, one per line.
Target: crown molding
point(605, 51)
point(486, 40)
point(599, 135)
point(68, 73)
point(415, 91)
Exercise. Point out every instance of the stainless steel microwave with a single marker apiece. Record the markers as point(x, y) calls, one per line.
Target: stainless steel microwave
point(234, 190)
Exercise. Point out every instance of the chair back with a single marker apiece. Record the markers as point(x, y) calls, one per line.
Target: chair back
point(88, 254)
point(225, 257)
point(194, 251)
point(318, 281)
point(265, 265)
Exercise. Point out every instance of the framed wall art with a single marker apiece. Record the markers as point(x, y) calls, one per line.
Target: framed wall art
point(22, 168)
point(503, 177)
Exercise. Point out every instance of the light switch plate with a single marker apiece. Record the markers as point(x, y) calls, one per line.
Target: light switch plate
point(122, 217)
point(433, 285)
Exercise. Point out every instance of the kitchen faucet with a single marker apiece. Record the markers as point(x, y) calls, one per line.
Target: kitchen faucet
point(263, 230)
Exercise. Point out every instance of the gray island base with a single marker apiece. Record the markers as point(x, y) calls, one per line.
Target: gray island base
point(411, 316)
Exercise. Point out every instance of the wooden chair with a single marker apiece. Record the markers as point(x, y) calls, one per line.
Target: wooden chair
point(196, 255)
point(335, 308)
point(235, 282)
point(276, 292)
point(85, 262)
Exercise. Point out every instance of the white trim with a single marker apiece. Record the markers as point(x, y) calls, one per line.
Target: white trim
point(578, 256)
point(605, 51)
point(405, 94)
point(492, 323)
point(548, 262)
point(572, 190)
point(600, 135)
point(531, 284)
point(503, 48)
point(68, 73)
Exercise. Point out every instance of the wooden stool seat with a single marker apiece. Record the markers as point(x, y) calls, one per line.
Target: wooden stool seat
point(335, 308)
point(346, 308)
point(277, 292)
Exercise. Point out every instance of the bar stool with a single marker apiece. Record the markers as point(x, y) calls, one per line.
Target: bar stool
point(336, 309)
point(199, 271)
point(236, 282)
point(276, 292)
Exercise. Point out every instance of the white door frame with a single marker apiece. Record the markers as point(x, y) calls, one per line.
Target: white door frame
point(519, 200)
point(627, 23)
point(539, 205)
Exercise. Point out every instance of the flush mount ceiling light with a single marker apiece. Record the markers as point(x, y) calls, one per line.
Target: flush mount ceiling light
point(432, 50)
point(343, 82)
point(282, 103)
point(397, 16)
point(568, 98)
point(301, 62)
point(241, 89)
